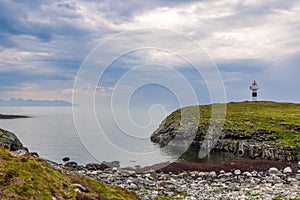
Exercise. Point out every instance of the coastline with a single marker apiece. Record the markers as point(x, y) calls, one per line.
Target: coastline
point(237, 179)
point(4, 116)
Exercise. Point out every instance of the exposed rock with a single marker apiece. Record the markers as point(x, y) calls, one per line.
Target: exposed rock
point(96, 166)
point(20, 152)
point(257, 144)
point(80, 187)
point(35, 154)
point(111, 164)
point(287, 170)
point(71, 165)
point(274, 171)
point(237, 172)
point(9, 140)
point(66, 159)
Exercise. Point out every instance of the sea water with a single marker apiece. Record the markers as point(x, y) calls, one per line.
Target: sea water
point(51, 132)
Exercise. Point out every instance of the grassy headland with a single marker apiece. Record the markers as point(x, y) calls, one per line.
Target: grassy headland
point(281, 121)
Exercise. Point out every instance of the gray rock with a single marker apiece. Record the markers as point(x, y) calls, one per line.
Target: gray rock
point(133, 186)
point(20, 152)
point(95, 166)
point(299, 164)
point(237, 172)
point(66, 159)
point(111, 164)
point(247, 174)
point(292, 180)
point(71, 165)
point(212, 174)
point(35, 154)
point(80, 187)
point(9, 140)
point(287, 170)
point(274, 171)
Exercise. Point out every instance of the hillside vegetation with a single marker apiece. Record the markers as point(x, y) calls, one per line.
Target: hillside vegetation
point(278, 120)
point(27, 177)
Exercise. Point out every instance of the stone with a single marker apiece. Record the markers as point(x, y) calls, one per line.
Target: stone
point(72, 165)
point(80, 187)
point(111, 164)
point(133, 186)
point(9, 140)
point(237, 172)
point(212, 174)
point(299, 164)
point(95, 166)
point(35, 154)
point(66, 159)
point(20, 152)
point(274, 171)
point(247, 174)
point(292, 180)
point(287, 170)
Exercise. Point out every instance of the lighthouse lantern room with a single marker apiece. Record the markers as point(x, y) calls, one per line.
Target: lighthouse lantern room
point(254, 87)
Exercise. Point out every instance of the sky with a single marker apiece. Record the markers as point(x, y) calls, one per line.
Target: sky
point(43, 44)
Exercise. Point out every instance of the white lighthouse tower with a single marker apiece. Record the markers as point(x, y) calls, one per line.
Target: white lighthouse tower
point(254, 87)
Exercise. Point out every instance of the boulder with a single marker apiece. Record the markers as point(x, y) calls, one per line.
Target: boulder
point(66, 159)
point(111, 164)
point(71, 165)
point(95, 166)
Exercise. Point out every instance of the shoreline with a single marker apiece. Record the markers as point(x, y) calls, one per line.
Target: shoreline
point(4, 116)
point(237, 179)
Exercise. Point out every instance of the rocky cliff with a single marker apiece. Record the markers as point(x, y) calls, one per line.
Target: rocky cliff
point(267, 130)
point(9, 140)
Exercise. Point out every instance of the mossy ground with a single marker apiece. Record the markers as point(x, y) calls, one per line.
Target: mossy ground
point(27, 177)
point(280, 120)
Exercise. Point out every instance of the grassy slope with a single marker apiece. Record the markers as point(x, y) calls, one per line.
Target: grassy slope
point(281, 120)
point(26, 177)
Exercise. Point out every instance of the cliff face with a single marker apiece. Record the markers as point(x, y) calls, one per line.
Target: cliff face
point(9, 140)
point(252, 129)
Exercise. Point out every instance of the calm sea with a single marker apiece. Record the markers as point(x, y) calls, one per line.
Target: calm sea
point(51, 132)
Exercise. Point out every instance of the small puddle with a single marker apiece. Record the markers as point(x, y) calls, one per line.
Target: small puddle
point(191, 155)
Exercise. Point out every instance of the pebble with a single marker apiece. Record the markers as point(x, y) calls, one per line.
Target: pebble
point(274, 171)
point(201, 185)
point(287, 170)
point(237, 172)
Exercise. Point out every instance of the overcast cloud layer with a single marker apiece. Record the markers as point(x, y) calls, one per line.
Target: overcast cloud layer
point(43, 43)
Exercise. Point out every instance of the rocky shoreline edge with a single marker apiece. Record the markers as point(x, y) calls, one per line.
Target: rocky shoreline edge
point(261, 180)
point(239, 179)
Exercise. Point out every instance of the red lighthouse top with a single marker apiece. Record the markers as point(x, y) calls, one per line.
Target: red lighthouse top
point(254, 83)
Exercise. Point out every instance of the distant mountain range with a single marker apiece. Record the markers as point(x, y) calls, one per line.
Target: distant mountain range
point(30, 102)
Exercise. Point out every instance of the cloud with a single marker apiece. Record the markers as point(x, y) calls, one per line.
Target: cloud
point(46, 41)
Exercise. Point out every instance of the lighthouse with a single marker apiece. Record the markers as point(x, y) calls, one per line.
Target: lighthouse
point(254, 88)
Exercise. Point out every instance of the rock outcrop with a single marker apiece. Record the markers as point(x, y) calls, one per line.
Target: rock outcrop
point(9, 140)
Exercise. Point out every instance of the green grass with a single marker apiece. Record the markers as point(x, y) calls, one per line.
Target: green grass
point(26, 177)
point(281, 198)
point(278, 121)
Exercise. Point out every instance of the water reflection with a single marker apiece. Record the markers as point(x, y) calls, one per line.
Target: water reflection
point(191, 155)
